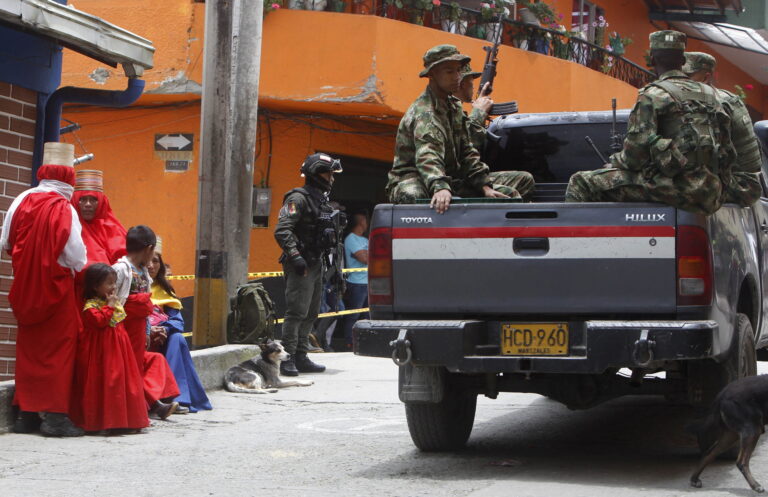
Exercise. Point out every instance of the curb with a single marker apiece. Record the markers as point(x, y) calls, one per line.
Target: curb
point(211, 364)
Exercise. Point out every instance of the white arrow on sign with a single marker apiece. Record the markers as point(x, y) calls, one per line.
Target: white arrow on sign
point(173, 141)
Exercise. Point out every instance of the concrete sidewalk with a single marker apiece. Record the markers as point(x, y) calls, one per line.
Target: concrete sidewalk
point(210, 363)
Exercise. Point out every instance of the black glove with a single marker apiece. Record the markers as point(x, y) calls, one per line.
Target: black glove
point(299, 265)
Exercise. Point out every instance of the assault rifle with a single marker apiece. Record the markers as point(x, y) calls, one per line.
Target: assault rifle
point(335, 261)
point(489, 73)
point(617, 139)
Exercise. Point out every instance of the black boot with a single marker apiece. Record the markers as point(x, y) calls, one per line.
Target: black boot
point(27, 422)
point(288, 368)
point(305, 365)
point(56, 424)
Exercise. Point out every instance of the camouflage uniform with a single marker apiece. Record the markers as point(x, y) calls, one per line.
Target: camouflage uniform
point(477, 130)
point(656, 164)
point(477, 118)
point(433, 149)
point(744, 188)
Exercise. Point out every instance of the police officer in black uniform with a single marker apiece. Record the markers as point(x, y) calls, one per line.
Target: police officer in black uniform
point(307, 231)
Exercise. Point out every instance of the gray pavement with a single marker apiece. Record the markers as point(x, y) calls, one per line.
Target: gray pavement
point(346, 436)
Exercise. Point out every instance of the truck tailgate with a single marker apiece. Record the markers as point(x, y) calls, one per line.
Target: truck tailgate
point(502, 258)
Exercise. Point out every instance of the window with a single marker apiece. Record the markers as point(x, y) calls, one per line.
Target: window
point(585, 14)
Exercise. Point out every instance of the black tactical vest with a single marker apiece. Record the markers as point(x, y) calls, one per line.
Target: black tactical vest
point(316, 231)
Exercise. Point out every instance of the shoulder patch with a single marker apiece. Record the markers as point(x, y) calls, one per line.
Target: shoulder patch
point(289, 209)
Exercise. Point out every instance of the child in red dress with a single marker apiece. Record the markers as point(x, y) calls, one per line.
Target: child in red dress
point(109, 386)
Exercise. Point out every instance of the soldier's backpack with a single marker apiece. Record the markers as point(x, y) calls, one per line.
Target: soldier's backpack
point(251, 316)
point(703, 139)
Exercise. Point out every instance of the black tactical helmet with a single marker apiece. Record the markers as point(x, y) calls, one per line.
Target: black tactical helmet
point(318, 163)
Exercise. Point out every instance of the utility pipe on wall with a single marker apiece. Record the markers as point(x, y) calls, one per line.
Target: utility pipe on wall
point(88, 96)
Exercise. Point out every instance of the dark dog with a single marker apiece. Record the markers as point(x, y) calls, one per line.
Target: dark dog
point(261, 375)
point(738, 414)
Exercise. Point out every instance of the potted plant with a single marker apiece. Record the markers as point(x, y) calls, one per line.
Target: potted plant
point(269, 6)
point(338, 5)
point(492, 14)
point(417, 9)
point(600, 26)
point(537, 13)
point(454, 23)
point(618, 44)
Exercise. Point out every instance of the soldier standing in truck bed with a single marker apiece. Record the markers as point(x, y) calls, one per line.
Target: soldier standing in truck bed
point(678, 149)
point(434, 155)
point(744, 188)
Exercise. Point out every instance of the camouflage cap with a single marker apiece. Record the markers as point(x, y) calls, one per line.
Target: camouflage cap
point(467, 72)
point(699, 61)
point(667, 39)
point(439, 54)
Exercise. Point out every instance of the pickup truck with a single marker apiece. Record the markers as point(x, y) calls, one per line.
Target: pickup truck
point(580, 302)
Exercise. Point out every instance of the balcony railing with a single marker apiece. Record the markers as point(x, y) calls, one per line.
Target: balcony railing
point(530, 37)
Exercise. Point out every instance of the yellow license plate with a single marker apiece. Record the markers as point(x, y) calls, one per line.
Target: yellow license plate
point(534, 339)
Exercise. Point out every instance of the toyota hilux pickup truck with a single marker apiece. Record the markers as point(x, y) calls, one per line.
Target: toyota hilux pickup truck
point(580, 302)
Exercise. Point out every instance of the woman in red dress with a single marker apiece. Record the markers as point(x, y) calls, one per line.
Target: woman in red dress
point(109, 385)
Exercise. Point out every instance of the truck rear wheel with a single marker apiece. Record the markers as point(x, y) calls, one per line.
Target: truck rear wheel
point(442, 426)
point(741, 362)
point(706, 378)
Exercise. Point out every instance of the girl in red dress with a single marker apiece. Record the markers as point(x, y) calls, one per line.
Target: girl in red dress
point(109, 386)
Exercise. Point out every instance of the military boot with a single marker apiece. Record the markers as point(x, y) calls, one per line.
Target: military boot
point(288, 368)
point(305, 365)
point(56, 424)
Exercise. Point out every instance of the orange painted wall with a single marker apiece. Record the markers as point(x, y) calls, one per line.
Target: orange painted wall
point(141, 192)
point(175, 27)
point(375, 73)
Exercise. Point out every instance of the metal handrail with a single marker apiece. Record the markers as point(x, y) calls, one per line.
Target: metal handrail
point(542, 40)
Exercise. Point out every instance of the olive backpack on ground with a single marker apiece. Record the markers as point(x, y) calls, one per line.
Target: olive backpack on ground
point(251, 315)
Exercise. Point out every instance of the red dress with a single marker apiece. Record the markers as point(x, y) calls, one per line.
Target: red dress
point(109, 391)
point(43, 300)
point(159, 382)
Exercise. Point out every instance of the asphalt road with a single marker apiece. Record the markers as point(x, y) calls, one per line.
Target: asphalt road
point(346, 436)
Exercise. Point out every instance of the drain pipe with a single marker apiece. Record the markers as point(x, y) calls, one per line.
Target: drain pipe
point(88, 96)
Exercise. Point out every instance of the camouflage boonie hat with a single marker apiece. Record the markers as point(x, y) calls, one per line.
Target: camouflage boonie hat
point(667, 39)
point(467, 72)
point(699, 61)
point(439, 54)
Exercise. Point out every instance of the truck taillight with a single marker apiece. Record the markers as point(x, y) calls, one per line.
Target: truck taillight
point(694, 266)
point(380, 267)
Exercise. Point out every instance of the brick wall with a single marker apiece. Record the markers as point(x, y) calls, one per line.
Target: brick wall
point(18, 111)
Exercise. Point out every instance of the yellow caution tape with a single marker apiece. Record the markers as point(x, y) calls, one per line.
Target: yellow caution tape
point(323, 315)
point(268, 274)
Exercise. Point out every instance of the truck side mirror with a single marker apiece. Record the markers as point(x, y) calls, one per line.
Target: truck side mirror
point(761, 130)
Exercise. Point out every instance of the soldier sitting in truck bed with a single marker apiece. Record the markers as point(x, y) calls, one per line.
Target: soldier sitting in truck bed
point(678, 149)
point(434, 155)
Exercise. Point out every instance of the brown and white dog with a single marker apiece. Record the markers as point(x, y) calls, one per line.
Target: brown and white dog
point(262, 373)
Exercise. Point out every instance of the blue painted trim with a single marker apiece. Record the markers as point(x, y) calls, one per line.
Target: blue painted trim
point(51, 120)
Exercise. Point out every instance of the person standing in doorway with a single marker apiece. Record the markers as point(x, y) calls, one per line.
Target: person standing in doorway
point(356, 257)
